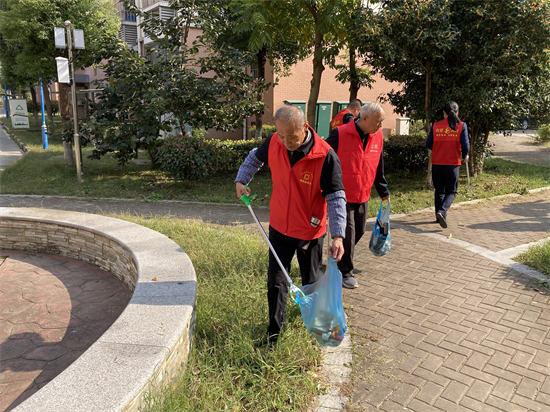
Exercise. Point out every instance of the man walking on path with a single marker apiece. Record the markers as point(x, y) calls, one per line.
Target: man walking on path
point(306, 176)
point(359, 145)
point(346, 115)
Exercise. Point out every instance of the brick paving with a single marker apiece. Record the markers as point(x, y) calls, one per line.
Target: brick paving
point(52, 309)
point(439, 328)
point(496, 225)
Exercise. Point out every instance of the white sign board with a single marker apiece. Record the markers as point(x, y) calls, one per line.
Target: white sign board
point(18, 113)
point(62, 70)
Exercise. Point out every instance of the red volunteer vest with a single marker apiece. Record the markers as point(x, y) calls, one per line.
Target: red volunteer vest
point(338, 119)
point(446, 148)
point(358, 165)
point(297, 195)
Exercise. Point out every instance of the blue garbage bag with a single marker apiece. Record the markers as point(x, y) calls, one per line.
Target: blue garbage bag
point(380, 240)
point(322, 309)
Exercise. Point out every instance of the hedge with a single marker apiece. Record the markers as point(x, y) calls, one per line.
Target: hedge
point(405, 153)
point(191, 158)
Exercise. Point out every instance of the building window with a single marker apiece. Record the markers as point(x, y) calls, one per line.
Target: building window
point(254, 71)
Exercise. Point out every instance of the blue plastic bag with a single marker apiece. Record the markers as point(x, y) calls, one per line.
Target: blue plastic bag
point(380, 240)
point(322, 308)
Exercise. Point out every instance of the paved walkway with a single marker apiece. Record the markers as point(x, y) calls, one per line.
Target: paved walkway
point(519, 147)
point(437, 327)
point(52, 309)
point(9, 151)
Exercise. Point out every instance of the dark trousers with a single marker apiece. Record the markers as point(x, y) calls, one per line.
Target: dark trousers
point(445, 179)
point(356, 219)
point(309, 261)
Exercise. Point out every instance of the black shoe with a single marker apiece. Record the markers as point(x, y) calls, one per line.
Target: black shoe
point(356, 271)
point(441, 220)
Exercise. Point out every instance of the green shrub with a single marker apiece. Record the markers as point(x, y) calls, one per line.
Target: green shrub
point(543, 134)
point(55, 107)
point(417, 127)
point(186, 158)
point(230, 154)
point(405, 153)
point(267, 129)
point(30, 106)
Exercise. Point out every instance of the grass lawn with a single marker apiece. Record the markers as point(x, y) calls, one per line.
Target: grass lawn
point(227, 370)
point(43, 173)
point(537, 257)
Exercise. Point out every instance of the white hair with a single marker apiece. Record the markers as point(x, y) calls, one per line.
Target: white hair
point(370, 109)
point(289, 113)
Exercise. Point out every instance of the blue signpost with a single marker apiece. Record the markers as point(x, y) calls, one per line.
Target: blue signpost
point(44, 133)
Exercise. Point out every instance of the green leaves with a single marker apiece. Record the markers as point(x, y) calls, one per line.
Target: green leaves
point(181, 85)
point(27, 35)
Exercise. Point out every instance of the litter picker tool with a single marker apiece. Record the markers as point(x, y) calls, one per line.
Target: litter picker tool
point(320, 302)
point(294, 290)
point(468, 174)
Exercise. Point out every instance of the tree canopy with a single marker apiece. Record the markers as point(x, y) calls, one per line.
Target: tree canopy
point(491, 57)
point(174, 84)
point(27, 33)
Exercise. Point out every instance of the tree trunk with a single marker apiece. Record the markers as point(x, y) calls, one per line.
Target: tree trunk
point(318, 68)
point(185, 34)
point(476, 166)
point(48, 101)
point(68, 156)
point(261, 60)
point(353, 81)
point(34, 106)
point(427, 101)
point(473, 150)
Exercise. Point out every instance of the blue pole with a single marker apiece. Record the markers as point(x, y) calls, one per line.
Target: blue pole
point(44, 133)
point(6, 102)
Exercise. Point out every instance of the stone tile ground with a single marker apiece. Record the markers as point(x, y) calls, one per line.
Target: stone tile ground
point(439, 328)
point(497, 225)
point(52, 309)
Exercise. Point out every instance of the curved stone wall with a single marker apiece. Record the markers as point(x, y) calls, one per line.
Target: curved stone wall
point(151, 339)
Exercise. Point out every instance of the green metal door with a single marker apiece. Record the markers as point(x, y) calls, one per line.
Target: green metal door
point(337, 106)
point(300, 103)
point(322, 119)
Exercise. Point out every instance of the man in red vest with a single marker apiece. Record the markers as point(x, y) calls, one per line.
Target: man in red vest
point(359, 145)
point(307, 176)
point(346, 115)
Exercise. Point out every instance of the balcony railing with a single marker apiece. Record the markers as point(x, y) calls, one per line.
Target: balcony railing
point(148, 3)
point(126, 15)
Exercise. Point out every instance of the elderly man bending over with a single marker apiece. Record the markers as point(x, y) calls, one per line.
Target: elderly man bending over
point(306, 175)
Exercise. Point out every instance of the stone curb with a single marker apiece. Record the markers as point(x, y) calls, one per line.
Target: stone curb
point(21, 145)
point(151, 339)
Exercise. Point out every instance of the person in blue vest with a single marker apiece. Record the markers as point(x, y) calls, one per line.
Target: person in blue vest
point(359, 145)
point(448, 141)
point(307, 181)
